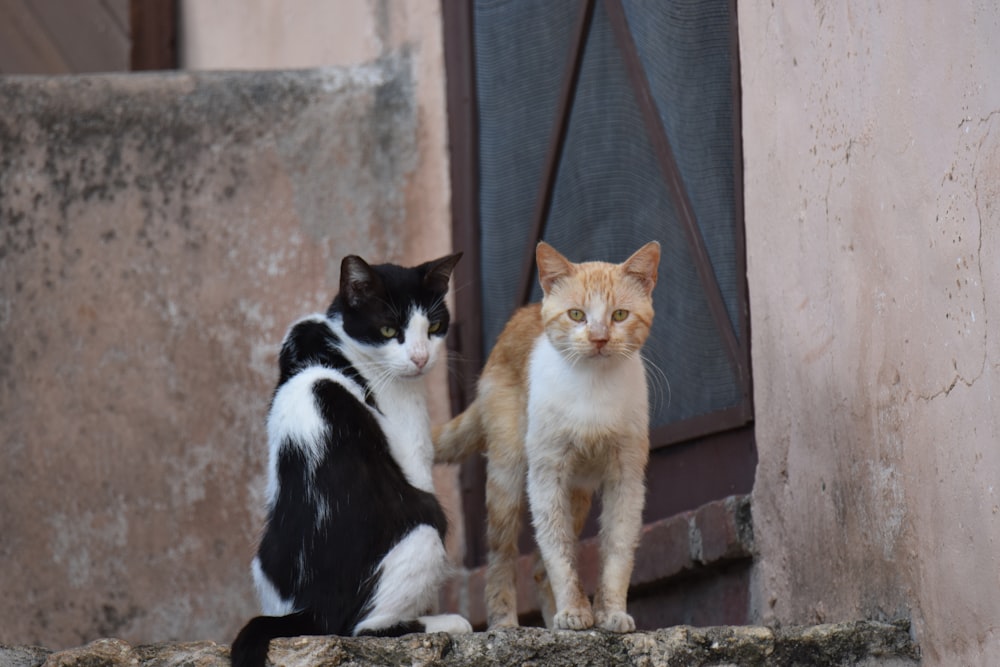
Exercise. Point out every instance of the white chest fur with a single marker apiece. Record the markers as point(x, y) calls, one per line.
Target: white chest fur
point(586, 401)
point(405, 422)
point(402, 410)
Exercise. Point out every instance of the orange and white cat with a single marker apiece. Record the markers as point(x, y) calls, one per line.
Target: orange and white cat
point(562, 407)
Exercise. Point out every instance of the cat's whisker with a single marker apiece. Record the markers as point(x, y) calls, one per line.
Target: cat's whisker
point(455, 355)
point(437, 303)
point(570, 353)
point(454, 362)
point(658, 381)
point(393, 308)
point(454, 372)
point(381, 381)
point(376, 374)
point(456, 288)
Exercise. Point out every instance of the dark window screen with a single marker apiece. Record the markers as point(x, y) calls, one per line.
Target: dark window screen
point(610, 194)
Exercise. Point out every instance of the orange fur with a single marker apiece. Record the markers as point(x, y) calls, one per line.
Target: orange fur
point(562, 410)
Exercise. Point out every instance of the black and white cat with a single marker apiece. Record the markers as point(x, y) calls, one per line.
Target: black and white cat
point(354, 538)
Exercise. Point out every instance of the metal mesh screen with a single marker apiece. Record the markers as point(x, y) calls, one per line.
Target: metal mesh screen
point(684, 48)
point(610, 195)
point(521, 49)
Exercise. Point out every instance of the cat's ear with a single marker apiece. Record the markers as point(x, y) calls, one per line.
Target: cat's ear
point(644, 264)
point(552, 266)
point(358, 282)
point(438, 271)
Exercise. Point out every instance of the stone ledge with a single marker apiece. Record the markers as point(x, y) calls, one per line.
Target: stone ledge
point(866, 643)
point(710, 536)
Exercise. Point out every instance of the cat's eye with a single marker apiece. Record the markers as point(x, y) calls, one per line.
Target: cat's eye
point(619, 315)
point(388, 332)
point(434, 327)
point(576, 315)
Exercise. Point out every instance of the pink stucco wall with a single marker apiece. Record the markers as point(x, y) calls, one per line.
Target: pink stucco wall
point(872, 169)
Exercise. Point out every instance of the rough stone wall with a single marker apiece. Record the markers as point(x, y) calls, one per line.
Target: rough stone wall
point(872, 169)
point(157, 235)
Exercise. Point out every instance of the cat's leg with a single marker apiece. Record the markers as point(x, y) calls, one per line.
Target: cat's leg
point(504, 491)
point(552, 515)
point(621, 524)
point(271, 602)
point(580, 499)
point(409, 579)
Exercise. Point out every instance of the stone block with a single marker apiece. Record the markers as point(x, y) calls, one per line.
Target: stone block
point(860, 643)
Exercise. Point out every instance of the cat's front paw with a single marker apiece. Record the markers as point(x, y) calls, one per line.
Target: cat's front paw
point(506, 622)
point(453, 624)
point(579, 618)
point(615, 621)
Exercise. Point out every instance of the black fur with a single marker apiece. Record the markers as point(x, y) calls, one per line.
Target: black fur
point(251, 644)
point(312, 343)
point(369, 504)
point(398, 630)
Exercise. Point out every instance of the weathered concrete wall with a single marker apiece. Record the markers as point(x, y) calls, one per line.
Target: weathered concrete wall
point(872, 166)
point(159, 233)
point(224, 35)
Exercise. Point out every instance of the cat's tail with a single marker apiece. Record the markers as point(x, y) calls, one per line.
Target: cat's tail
point(461, 437)
point(250, 646)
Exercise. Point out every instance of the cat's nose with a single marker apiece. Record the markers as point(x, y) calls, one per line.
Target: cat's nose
point(599, 342)
point(420, 360)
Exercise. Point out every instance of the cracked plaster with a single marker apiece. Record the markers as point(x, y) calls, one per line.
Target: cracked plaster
point(872, 177)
